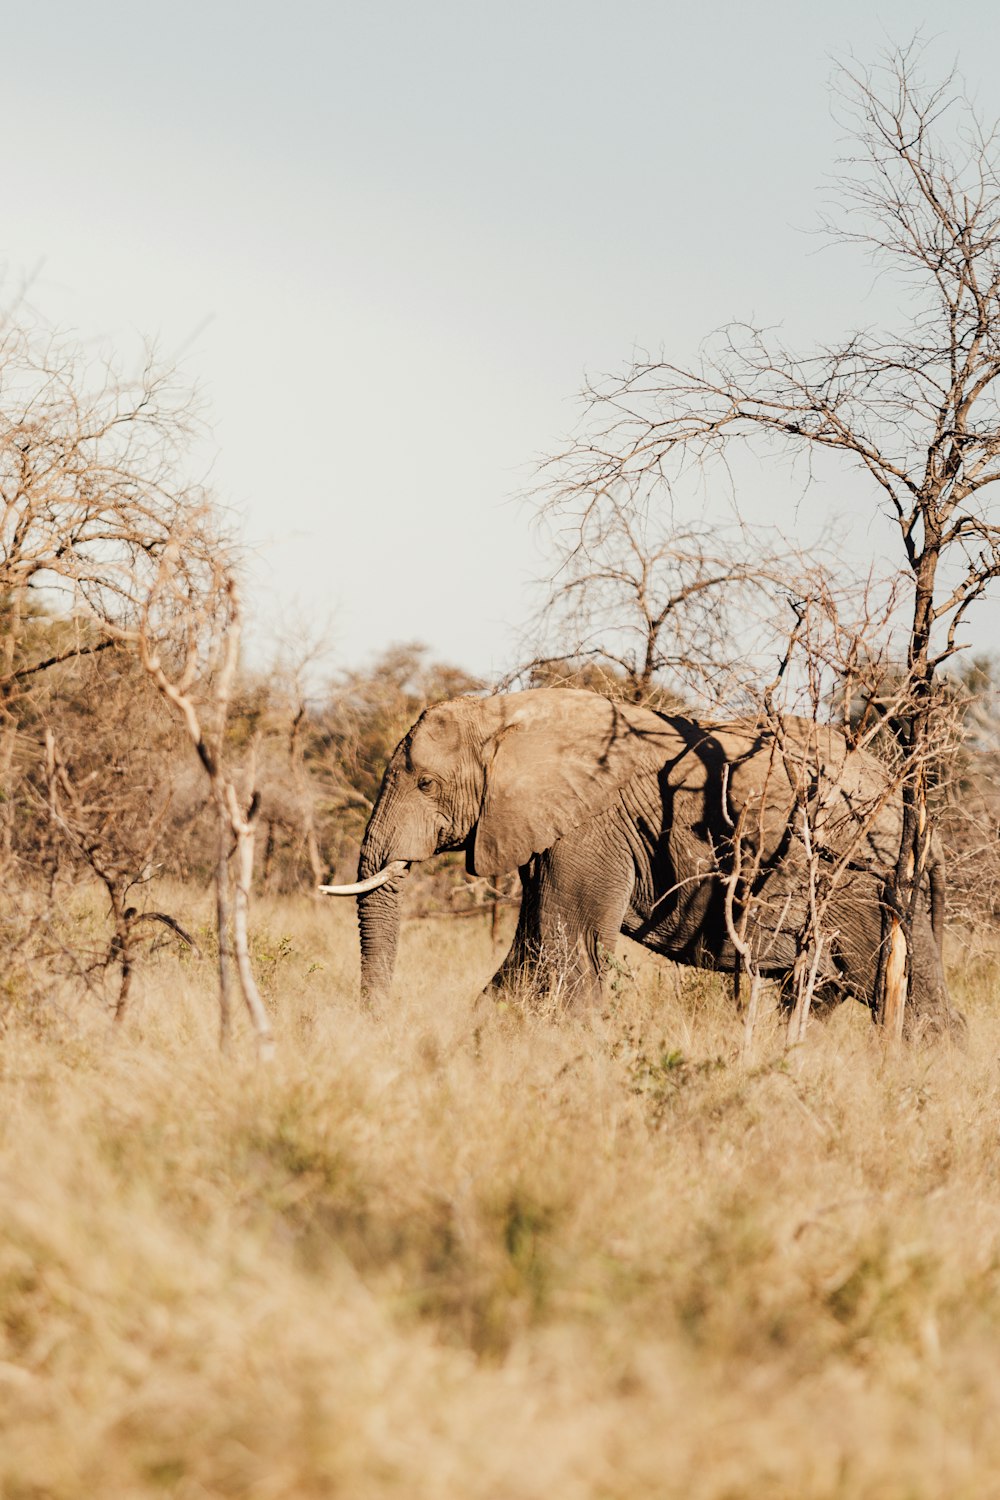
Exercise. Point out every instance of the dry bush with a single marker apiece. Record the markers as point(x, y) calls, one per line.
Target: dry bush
point(484, 1251)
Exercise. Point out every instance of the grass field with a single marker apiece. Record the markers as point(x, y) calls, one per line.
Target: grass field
point(478, 1252)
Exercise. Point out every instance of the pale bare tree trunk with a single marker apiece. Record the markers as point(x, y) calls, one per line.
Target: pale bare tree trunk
point(893, 1000)
point(810, 953)
point(223, 925)
point(746, 959)
point(244, 827)
point(750, 1019)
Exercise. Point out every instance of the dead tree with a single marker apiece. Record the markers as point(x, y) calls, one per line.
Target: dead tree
point(912, 408)
point(92, 490)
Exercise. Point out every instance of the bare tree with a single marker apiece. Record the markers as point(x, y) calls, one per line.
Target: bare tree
point(641, 607)
point(913, 408)
point(96, 494)
point(187, 638)
point(93, 487)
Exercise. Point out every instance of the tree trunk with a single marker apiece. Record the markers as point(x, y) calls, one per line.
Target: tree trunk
point(241, 935)
point(903, 886)
point(223, 906)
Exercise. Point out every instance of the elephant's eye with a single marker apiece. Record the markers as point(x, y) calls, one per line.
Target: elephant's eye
point(426, 783)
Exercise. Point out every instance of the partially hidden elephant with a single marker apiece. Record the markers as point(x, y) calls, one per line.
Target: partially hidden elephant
point(622, 819)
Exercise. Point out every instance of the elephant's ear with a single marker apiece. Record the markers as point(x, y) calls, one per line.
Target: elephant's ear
point(558, 759)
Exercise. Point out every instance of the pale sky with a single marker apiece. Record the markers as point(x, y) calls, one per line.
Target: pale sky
point(389, 240)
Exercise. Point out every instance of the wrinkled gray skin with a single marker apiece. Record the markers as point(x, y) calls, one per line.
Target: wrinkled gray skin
point(620, 820)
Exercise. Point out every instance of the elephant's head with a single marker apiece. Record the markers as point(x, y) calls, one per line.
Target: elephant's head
point(500, 777)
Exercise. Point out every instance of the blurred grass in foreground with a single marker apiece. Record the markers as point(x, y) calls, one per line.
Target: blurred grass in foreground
point(469, 1251)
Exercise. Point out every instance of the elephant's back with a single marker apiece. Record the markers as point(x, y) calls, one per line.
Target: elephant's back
point(764, 774)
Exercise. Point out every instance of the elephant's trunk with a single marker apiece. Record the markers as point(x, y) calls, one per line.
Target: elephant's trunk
point(378, 919)
point(378, 916)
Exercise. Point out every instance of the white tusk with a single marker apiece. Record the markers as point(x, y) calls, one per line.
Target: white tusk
point(360, 887)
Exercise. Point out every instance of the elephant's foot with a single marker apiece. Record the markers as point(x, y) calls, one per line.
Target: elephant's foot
point(539, 985)
point(938, 1022)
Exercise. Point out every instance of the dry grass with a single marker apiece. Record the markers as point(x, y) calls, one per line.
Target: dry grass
point(470, 1252)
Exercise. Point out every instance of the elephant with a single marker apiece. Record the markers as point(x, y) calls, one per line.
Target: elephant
point(668, 828)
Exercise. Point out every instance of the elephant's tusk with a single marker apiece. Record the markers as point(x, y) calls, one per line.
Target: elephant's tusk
point(360, 887)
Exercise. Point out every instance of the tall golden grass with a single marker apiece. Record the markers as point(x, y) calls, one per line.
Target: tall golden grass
point(468, 1251)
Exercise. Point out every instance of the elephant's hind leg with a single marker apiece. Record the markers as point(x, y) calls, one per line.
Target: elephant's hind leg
point(930, 1012)
point(856, 919)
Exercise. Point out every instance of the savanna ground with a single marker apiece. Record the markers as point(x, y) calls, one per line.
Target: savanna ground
point(491, 1252)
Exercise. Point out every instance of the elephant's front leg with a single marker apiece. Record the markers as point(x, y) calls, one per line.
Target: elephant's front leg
point(574, 900)
point(520, 966)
